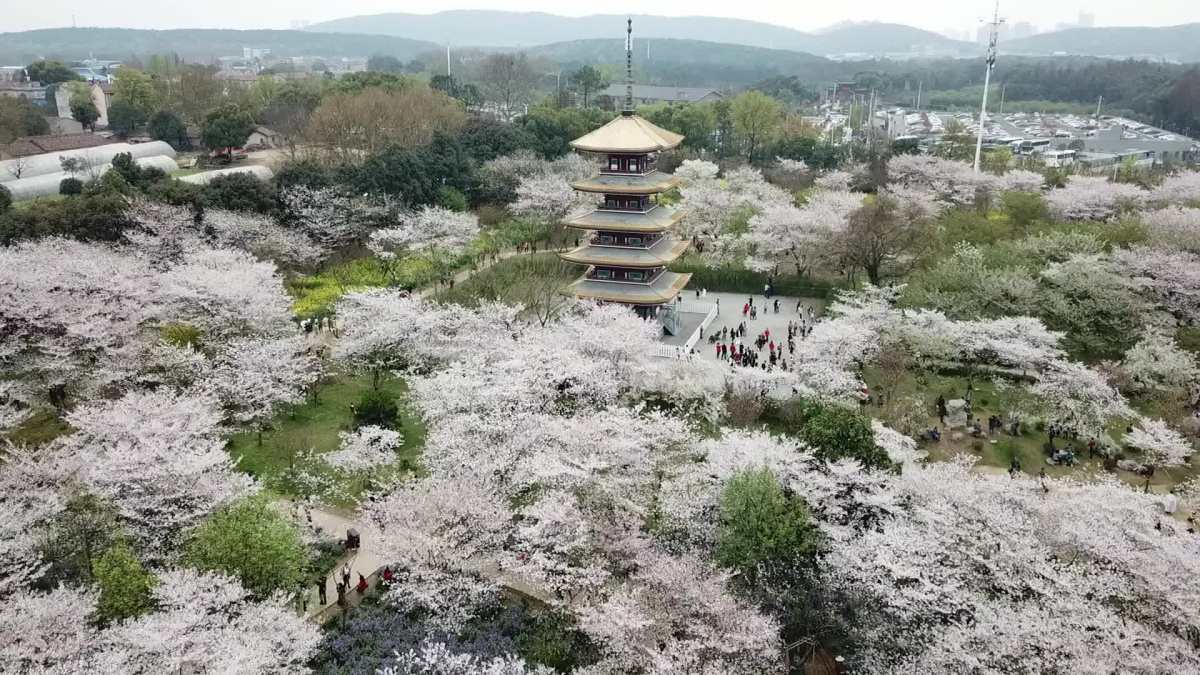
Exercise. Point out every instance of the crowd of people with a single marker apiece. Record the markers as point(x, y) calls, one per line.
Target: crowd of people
point(765, 350)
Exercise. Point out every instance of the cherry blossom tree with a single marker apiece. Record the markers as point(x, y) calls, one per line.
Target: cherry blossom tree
point(1156, 362)
point(1180, 189)
point(1174, 227)
point(159, 457)
point(48, 632)
point(435, 658)
point(226, 293)
point(549, 198)
point(329, 218)
point(1094, 198)
point(211, 621)
point(1163, 446)
point(70, 313)
point(30, 497)
point(957, 578)
point(1079, 398)
point(801, 236)
point(1171, 278)
point(432, 231)
point(365, 448)
point(253, 377)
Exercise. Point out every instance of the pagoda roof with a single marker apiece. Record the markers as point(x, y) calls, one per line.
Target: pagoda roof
point(658, 292)
point(657, 219)
point(627, 184)
point(627, 133)
point(661, 254)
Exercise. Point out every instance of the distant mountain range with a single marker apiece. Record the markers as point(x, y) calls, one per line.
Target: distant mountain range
point(695, 63)
point(528, 29)
point(195, 44)
point(1174, 43)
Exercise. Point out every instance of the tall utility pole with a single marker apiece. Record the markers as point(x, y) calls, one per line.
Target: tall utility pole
point(447, 60)
point(1098, 102)
point(1003, 86)
point(993, 38)
point(920, 86)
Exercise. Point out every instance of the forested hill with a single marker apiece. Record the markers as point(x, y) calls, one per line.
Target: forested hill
point(195, 44)
point(526, 29)
point(688, 63)
point(1175, 43)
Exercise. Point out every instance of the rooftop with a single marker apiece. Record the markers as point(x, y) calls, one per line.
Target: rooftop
point(662, 253)
point(627, 133)
point(655, 220)
point(649, 184)
point(37, 145)
point(659, 292)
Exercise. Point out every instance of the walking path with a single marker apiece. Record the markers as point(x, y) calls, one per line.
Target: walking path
point(367, 562)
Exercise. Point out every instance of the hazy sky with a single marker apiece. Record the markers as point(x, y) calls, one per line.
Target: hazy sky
point(938, 15)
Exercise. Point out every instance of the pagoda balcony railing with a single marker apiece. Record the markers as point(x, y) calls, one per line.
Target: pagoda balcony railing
point(591, 275)
point(647, 242)
point(650, 206)
point(646, 169)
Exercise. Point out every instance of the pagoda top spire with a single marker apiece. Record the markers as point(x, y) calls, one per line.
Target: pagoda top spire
point(628, 110)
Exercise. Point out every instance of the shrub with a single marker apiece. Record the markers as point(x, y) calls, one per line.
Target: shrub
point(70, 186)
point(254, 542)
point(181, 335)
point(303, 172)
point(760, 526)
point(730, 279)
point(834, 432)
point(491, 215)
point(124, 583)
point(239, 192)
point(5, 199)
point(451, 198)
point(378, 408)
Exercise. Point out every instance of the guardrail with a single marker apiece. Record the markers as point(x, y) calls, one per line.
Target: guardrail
point(681, 352)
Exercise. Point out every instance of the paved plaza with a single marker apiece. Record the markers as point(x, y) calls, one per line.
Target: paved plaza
point(730, 315)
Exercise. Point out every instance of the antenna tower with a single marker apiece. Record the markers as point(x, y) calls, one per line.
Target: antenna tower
point(993, 38)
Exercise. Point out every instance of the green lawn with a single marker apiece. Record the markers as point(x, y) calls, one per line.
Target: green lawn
point(316, 425)
point(42, 427)
point(1027, 448)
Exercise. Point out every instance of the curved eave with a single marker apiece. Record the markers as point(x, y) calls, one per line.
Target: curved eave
point(659, 219)
point(659, 255)
point(626, 150)
point(627, 134)
point(664, 290)
point(627, 185)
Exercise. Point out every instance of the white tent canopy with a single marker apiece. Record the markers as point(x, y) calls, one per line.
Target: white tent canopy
point(258, 171)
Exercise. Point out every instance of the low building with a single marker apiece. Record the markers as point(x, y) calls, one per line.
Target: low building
point(262, 138)
point(37, 145)
point(33, 91)
point(647, 94)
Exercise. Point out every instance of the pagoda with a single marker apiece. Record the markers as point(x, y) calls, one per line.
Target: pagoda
point(628, 243)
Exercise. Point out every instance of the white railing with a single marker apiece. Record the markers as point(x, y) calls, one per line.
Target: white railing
point(680, 352)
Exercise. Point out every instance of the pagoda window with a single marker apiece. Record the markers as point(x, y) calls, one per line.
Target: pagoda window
point(635, 241)
point(614, 164)
point(635, 276)
point(633, 166)
point(607, 239)
point(603, 274)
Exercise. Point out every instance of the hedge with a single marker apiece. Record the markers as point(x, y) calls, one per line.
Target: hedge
point(728, 279)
